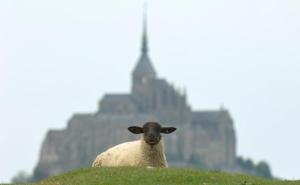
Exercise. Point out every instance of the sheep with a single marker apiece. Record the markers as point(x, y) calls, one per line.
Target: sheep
point(147, 151)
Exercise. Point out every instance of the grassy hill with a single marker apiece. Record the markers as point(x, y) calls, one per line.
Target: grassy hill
point(170, 176)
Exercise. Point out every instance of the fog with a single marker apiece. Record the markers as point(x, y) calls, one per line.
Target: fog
point(58, 58)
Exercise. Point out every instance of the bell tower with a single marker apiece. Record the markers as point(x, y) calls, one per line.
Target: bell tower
point(144, 70)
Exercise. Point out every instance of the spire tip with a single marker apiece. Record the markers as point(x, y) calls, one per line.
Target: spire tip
point(145, 40)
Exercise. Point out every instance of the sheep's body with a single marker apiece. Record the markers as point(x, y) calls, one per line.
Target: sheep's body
point(135, 153)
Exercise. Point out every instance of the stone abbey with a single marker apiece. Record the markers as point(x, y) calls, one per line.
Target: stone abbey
point(204, 139)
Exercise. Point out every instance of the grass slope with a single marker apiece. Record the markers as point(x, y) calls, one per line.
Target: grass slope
point(170, 176)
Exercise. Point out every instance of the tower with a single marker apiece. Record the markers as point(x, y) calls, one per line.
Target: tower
point(143, 72)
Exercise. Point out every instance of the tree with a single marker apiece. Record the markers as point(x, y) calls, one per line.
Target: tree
point(22, 177)
point(263, 169)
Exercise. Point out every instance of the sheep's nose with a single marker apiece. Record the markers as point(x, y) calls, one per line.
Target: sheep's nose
point(151, 136)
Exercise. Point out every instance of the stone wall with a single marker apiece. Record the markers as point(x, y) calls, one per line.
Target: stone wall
point(87, 135)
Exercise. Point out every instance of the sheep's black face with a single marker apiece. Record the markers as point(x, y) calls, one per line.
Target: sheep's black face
point(151, 131)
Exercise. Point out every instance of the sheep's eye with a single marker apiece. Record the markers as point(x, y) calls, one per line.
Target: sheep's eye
point(146, 130)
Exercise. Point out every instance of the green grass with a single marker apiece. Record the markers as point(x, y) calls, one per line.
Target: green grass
point(170, 176)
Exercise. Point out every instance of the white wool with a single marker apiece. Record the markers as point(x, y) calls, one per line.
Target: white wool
point(134, 153)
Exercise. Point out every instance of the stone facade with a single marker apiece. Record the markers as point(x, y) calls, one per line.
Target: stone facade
point(203, 137)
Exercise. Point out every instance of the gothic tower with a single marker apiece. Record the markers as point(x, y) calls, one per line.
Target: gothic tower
point(143, 73)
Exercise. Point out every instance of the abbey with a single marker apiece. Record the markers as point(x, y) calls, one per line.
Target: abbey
point(204, 138)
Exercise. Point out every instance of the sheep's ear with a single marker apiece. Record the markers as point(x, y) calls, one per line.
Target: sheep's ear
point(136, 130)
point(167, 130)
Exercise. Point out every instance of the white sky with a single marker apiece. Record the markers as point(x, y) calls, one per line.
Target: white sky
point(59, 57)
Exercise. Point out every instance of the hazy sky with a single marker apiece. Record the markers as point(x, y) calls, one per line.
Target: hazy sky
point(59, 57)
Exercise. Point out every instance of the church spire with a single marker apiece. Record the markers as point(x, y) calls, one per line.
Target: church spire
point(144, 68)
point(145, 39)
